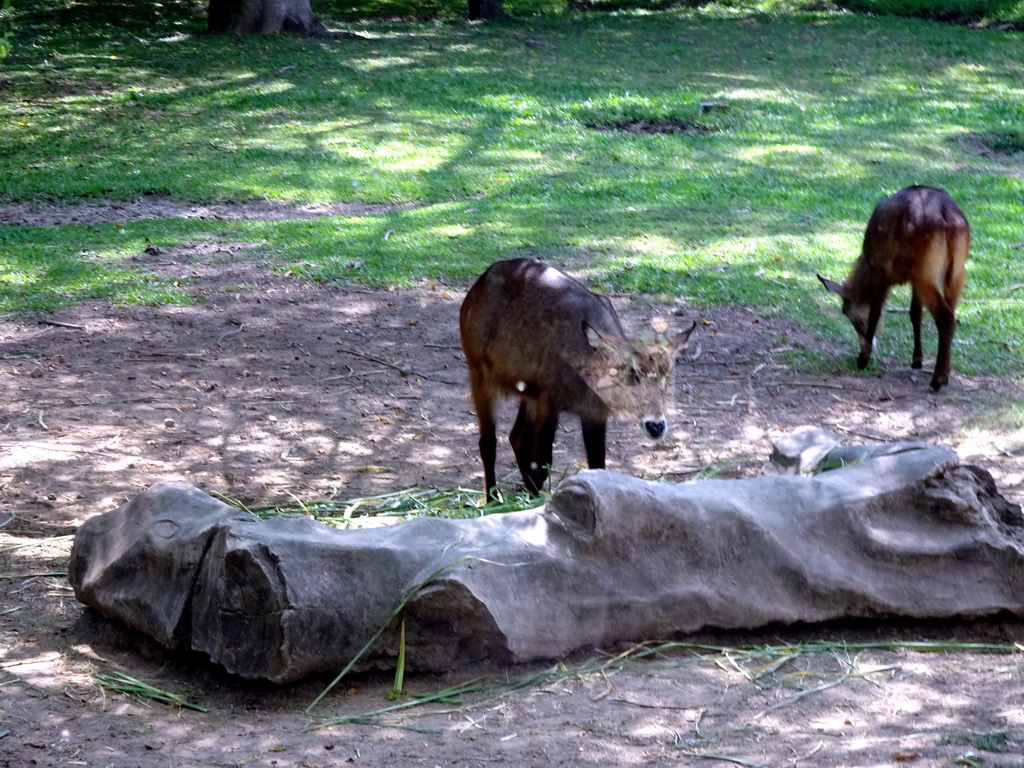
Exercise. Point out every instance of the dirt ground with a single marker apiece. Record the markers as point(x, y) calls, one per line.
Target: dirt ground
point(272, 390)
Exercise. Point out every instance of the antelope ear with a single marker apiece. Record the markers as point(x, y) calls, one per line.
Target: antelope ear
point(833, 287)
point(597, 339)
point(681, 339)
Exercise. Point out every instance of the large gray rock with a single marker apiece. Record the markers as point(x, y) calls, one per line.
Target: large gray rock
point(907, 531)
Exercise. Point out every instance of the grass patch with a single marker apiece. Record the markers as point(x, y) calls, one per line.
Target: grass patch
point(486, 129)
point(1005, 142)
point(42, 269)
point(666, 126)
point(988, 741)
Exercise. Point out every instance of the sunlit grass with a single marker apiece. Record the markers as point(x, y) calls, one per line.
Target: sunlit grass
point(488, 131)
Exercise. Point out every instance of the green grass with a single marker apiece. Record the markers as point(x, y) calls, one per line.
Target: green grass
point(485, 129)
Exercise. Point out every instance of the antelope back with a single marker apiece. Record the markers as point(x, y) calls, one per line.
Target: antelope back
point(918, 235)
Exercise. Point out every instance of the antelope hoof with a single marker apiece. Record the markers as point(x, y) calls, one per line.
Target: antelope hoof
point(862, 362)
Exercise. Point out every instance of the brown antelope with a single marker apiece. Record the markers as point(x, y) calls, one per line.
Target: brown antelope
point(531, 331)
point(917, 236)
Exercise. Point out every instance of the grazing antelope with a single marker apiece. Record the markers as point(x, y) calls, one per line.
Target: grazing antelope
point(531, 331)
point(917, 236)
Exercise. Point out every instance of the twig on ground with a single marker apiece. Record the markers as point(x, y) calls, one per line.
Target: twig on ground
point(696, 725)
point(814, 751)
point(228, 334)
point(723, 758)
point(823, 384)
point(63, 325)
point(646, 706)
point(43, 447)
point(404, 370)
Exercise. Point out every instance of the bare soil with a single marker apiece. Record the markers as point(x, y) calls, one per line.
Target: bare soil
point(273, 390)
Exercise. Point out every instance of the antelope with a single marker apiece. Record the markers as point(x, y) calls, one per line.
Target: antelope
point(917, 236)
point(530, 331)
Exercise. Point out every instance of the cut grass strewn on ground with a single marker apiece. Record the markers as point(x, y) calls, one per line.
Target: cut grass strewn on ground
point(809, 668)
point(393, 507)
point(486, 128)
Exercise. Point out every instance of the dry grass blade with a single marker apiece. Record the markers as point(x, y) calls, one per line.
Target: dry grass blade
point(121, 683)
point(722, 758)
point(51, 540)
point(12, 576)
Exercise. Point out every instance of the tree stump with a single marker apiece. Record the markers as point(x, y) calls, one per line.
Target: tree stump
point(485, 9)
point(265, 17)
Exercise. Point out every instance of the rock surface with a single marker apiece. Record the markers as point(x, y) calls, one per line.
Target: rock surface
point(905, 531)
